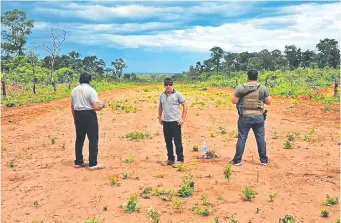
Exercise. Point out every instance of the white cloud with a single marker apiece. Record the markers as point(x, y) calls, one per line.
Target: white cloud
point(226, 8)
point(305, 27)
point(126, 27)
point(84, 29)
point(100, 12)
point(40, 25)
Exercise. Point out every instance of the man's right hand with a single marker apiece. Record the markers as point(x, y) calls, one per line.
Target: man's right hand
point(160, 120)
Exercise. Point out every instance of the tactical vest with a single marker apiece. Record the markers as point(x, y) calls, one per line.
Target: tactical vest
point(249, 103)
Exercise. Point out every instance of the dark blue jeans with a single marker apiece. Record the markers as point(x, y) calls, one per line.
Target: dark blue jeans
point(245, 123)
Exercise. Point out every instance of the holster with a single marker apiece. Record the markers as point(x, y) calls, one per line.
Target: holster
point(264, 114)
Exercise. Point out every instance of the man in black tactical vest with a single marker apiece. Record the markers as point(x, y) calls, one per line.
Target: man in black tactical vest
point(250, 99)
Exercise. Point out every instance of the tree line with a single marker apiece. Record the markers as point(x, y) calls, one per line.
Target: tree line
point(19, 65)
point(327, 54)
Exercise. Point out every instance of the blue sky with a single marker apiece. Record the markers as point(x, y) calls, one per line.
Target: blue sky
point(168, 37)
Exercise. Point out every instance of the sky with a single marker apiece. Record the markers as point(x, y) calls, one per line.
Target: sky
point(168, 37)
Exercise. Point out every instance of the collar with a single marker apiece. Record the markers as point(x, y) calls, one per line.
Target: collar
point(251, 83)
point(171, 92)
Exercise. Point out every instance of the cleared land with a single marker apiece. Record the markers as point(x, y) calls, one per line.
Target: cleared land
point(40, 183)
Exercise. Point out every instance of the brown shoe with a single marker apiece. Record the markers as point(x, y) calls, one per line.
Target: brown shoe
point(97, 167)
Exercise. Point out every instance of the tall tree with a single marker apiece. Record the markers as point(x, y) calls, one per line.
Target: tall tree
point(278, 59)
point(119, 64)
point(16, 27)
point(216, 55)
point(74, 55)
point(329, 53)
point(208, 65)
point(266, 60)
point(307, 58)
point(89, 64)
point(293, 55)
point(199, 67)
point(76, 63)
point(242, 60)
point(229, 63)
point(255, 63)
point(100, 65)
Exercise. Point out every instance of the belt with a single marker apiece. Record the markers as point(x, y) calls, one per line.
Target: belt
point(252, 112)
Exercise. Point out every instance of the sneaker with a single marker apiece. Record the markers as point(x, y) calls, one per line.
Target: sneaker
point(97, 167)
point(236, 163)
point(175, 165)
point(265, 163)
point(81, 165)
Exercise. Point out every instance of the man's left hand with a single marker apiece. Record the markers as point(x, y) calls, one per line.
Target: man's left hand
point(181, 121)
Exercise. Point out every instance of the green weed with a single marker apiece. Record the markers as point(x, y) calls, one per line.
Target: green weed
point(249, 193)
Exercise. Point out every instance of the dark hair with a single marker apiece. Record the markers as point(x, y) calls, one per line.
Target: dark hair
point(168, 80)
point(85, 77)
point(252, 75)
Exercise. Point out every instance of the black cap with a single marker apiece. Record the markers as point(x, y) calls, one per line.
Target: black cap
point(168, 80)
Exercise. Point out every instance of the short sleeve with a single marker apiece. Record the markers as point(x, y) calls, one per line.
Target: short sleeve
point(266, 93)
point(93, 97)
point(72, 96)
point(181, 98)
point(238, 91)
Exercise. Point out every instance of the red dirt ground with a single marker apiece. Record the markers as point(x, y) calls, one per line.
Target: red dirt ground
point(44, 172)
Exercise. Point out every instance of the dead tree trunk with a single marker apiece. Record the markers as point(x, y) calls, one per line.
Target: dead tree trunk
point(53, 52)
point(54, 86)
point(3, 84)
point(34, 85)
point(336, 87)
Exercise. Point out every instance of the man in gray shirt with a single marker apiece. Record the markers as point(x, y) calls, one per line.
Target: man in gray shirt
point(84, 104)
point(172, 120)
point(250, 99)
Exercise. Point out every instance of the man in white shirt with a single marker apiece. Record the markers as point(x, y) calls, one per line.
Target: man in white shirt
point(84, 104)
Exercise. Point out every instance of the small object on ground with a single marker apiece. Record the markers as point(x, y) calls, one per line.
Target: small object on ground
point(209, 155)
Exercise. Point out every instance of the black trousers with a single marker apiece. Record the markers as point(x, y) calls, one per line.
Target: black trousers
point(86, 124)
point(173, 130)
